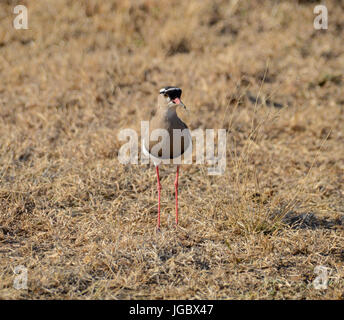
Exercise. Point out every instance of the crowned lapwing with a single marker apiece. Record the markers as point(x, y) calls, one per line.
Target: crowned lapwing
point(174, 133)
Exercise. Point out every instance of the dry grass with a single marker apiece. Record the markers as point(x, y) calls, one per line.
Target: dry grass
point(84, 225)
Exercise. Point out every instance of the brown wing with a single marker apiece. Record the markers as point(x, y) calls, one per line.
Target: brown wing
point(162, 122)
point(176, 123)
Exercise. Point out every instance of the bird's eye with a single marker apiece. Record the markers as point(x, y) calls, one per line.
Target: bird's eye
point(165, 95)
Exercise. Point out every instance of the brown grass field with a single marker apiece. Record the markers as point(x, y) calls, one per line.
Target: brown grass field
point(83, 224)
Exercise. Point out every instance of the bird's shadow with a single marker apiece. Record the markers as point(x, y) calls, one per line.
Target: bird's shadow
point(309, 220)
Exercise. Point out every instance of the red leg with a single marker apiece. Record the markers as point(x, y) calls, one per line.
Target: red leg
point(159, 189)
point(176, 193)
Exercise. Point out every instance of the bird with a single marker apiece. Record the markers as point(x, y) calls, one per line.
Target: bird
point(175, 137)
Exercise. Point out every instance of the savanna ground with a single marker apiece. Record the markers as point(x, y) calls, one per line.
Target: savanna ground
point(84, 225)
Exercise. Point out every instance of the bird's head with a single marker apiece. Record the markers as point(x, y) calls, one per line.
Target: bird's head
point(170, 97)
